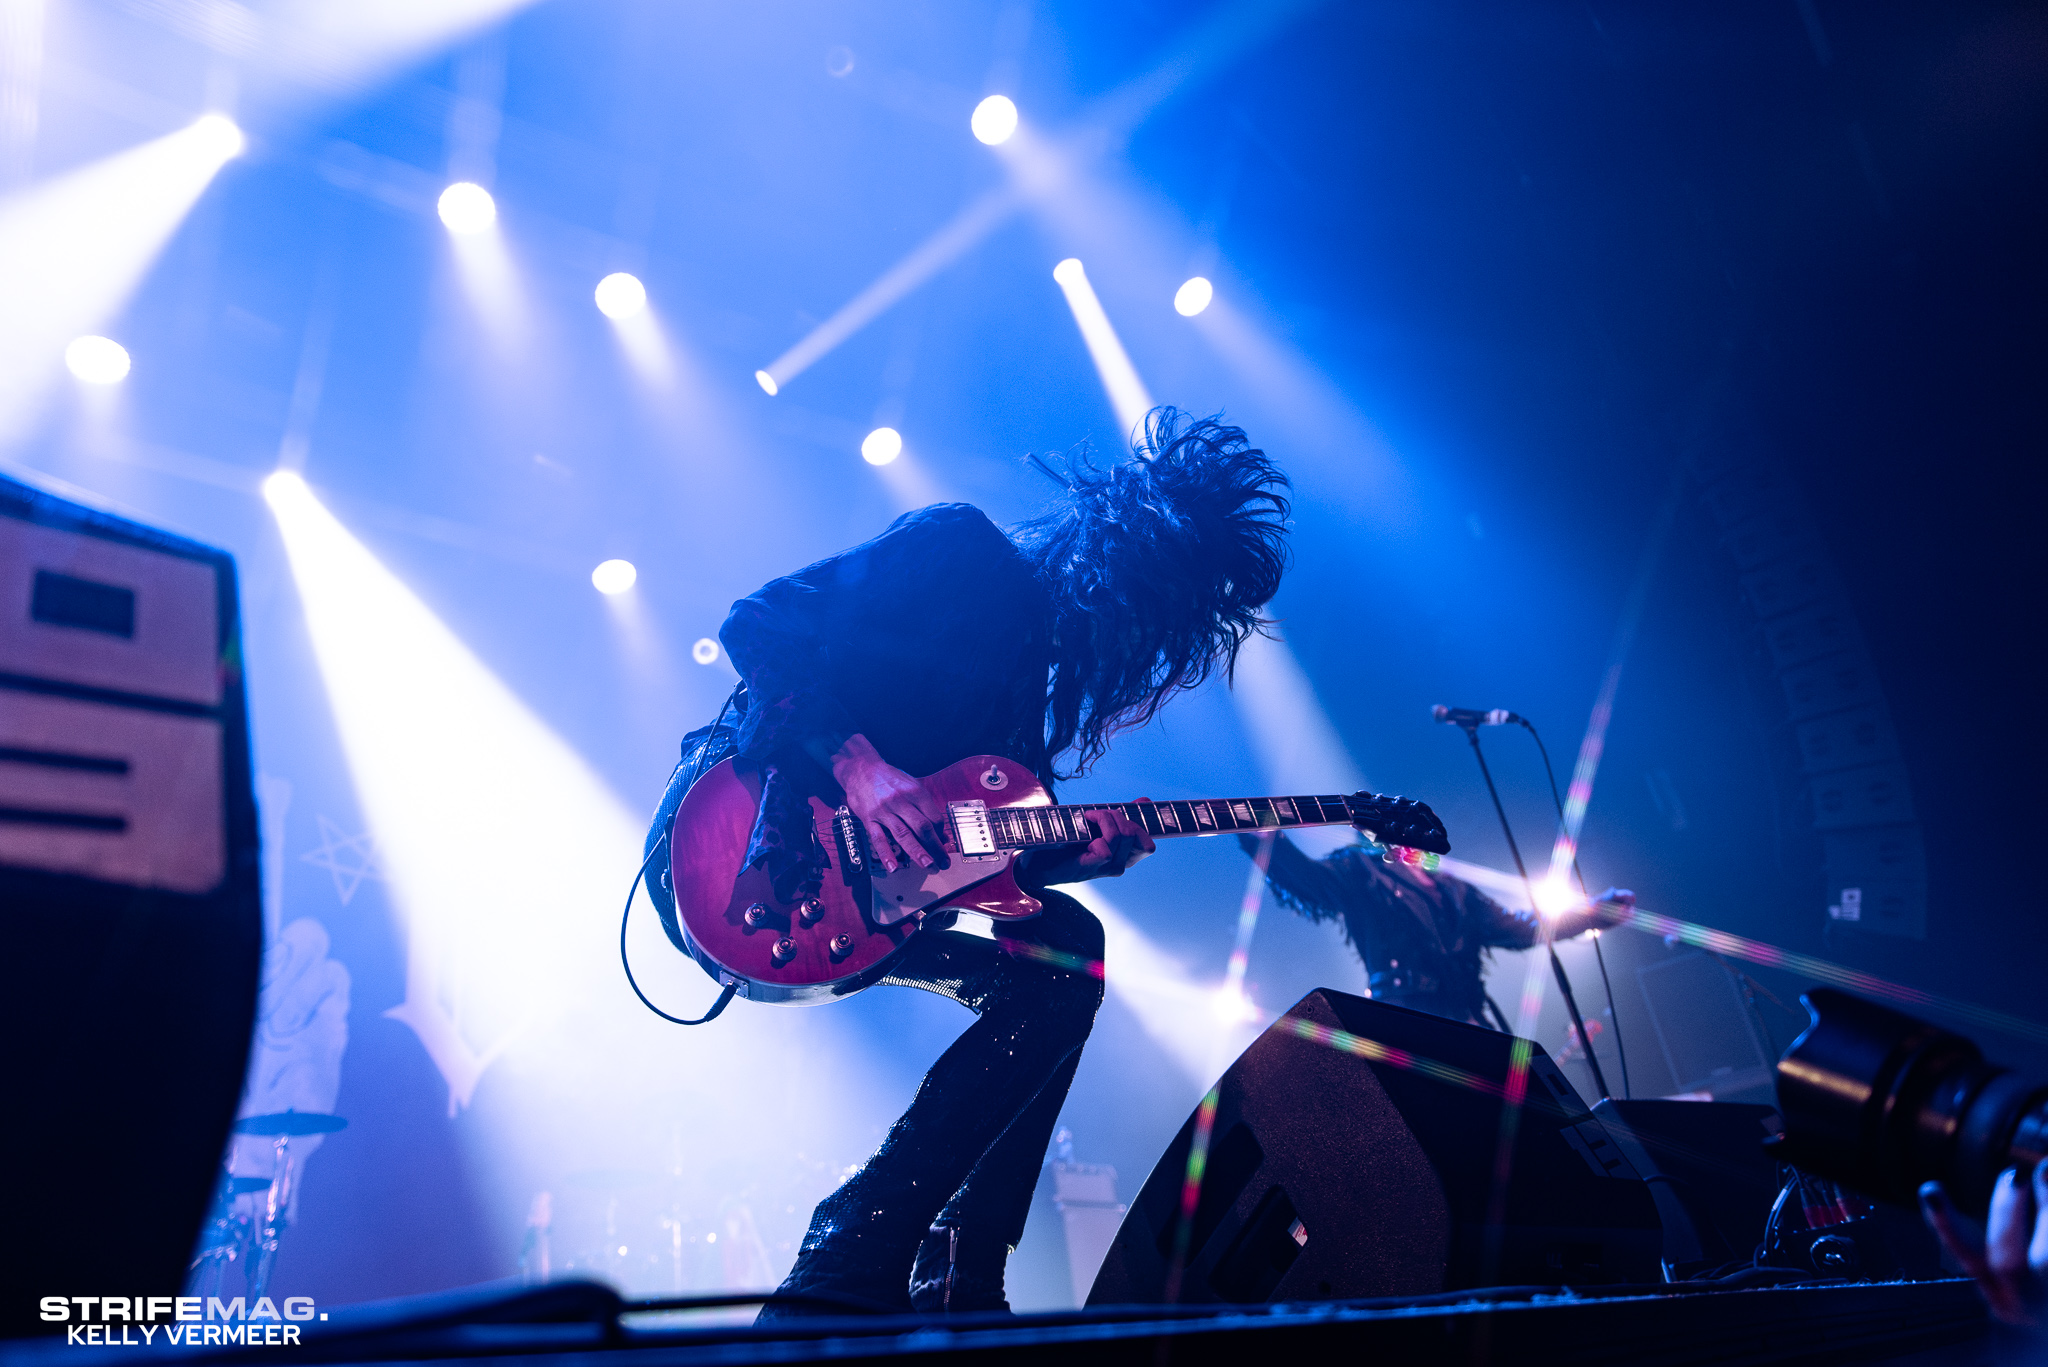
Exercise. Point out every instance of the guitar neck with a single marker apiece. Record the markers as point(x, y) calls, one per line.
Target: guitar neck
point(1029, 827)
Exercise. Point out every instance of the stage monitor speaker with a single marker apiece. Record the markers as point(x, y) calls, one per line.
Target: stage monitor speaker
point(1352, 1154)
point(1707, 1167)
point(130, 917)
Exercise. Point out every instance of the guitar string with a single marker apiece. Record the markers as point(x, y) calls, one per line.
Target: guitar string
point(1028, 824)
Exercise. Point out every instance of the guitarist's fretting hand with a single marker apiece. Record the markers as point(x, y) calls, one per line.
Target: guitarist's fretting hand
point(894, 807)
point(1119, 843)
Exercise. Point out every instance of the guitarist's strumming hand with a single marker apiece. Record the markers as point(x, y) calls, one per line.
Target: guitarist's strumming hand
point(1119, 843)
point(901, 818)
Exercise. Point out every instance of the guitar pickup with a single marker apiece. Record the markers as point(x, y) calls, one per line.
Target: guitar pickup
point(971, 833)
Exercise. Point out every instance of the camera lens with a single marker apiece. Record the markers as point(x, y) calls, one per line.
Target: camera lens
point(1883, 1102)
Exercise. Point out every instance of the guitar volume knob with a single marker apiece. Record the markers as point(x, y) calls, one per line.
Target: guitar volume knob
point(841, 943)
point(756, 915)
point(809, 910)
point(784, 951)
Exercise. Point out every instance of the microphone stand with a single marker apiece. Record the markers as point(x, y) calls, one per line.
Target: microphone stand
point(1564, 984)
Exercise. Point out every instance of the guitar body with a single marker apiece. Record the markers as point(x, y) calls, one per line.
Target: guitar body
point(841, 941)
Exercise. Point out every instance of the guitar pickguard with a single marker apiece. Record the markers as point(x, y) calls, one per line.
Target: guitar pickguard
point(910, 890)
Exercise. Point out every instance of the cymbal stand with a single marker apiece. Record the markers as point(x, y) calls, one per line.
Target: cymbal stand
point(276, 1204)
point(221, 1243)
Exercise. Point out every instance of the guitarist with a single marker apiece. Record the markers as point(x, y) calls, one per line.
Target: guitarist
point(1422, 936)
point(945, 637)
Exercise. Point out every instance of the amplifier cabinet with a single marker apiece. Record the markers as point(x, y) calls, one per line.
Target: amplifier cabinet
point(130, 915)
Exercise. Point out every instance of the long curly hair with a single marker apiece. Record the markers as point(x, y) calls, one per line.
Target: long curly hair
point(1157, 567)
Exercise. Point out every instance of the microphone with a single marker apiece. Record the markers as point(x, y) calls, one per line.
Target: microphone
point(1466, 716)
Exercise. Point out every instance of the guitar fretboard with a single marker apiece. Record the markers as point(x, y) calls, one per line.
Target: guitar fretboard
point(1024, 827)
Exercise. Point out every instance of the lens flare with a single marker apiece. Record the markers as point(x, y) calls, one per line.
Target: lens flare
point(705, 652)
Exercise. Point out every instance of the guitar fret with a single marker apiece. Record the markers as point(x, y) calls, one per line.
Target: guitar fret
point(1025, 827)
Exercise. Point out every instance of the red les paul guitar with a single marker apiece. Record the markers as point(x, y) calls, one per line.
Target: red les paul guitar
point(840, 941)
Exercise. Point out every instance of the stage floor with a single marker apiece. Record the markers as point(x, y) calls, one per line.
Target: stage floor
point(1940, 1324)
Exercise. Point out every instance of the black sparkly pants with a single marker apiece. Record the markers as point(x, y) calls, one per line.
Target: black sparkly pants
point(969, 1150)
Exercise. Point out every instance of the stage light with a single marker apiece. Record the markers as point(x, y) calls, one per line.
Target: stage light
point(218, 137)
point(882, 445)
point(467, 208)
point(506, 858)
point(614, 576)
point(1127, 394)
point(767, 383)
point(705, 652)
point(995, 118)
point(1554, 897)
point(1191, 298)
point(620, 295)
point(73, 247)
point(97, 360)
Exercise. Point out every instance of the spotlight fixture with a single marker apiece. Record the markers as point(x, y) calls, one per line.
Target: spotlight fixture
point(995, 118)
point(1191, 298)
point(467, 208)
point(219, 137)
point(97, 360)
point(620, 295)
point(766, 381)
point(614, 576)
point(883, 445)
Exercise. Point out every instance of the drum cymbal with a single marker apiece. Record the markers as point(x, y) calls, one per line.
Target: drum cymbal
point(290, 1123)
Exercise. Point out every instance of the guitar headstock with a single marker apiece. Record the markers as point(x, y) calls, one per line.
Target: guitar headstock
point(1399, 821)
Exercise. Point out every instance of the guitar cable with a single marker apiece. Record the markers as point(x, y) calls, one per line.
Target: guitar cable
point(725, 994)
point(732, 986)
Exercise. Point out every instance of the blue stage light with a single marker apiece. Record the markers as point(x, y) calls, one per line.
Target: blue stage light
point(1192, 297)
point(97, 360)
point(995, 118)
point(882, 445)
point(467, 209)
point(620, 295)
point(614, 576)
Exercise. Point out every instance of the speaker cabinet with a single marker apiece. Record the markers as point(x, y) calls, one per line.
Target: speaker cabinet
point(1353, 1153)
point(130, 918)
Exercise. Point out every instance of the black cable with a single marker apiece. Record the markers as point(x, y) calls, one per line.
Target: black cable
point(1620, 1049)
point(724, 997)
point(733, 985)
